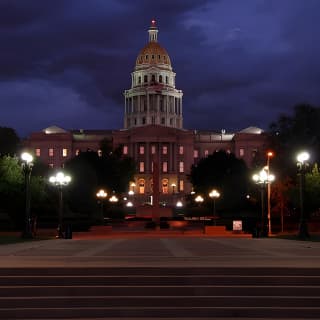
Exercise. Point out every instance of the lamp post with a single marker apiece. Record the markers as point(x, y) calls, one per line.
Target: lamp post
point(302, 165)
point(214, 194)
point(27, 168)
point(264, 178)
point(101, 195)
point(199, 199)
point(60, 180)
point(270, 154)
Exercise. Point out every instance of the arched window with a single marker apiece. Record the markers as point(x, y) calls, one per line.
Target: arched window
point(160, 79)
point(165, 186)
point(141, 186)
point(145, 78)
point(153, 78)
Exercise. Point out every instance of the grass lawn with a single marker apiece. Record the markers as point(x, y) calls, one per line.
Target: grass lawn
point(313, 237)
point(8, 239)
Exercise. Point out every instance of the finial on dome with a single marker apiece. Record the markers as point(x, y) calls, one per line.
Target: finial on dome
point(153, 31)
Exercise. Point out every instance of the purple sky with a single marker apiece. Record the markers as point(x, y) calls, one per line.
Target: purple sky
point(239, 63)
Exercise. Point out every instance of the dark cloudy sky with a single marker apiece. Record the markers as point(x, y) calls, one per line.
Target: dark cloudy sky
point(239, 63)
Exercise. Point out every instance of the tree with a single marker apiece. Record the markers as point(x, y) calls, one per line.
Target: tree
point(90, 172)
point(291, 134)
point(9, 141)
point(312, 190)
point(12, 190)
point(224, 172)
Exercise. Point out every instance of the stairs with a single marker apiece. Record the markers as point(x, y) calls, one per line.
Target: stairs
point(151, 293)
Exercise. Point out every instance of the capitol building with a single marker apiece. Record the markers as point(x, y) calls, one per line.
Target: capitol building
point(152, 131)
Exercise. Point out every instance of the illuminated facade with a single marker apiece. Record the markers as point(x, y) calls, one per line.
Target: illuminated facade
point(153, 131)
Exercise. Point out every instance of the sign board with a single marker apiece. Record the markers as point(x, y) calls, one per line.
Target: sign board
point(237, 225)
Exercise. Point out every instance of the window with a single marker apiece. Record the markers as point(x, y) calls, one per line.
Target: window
point(145, 78)
point(64, 152)
point(164, 149)
point(141, 166)
point(50, 152)
point(139, 80)
point(141, 186)
point(153, 149)
point(181, 166)
point(125, 150)
point(254, 153)
point(165, 166)
point(38, 152)
point(165, 186)
point(181, 150)
point(141, 149)
point(167, 80)
point(206, 153)
point(181, 185)
point(163, 121)
point(135, 121)
point(153, 78)
point(160, 79)
point(241, 152)
point(143, 120)
point(195, 153)
point(147, 57)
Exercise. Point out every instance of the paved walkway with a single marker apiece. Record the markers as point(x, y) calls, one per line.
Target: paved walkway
point(133, 250)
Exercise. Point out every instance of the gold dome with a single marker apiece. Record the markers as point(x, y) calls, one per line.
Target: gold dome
point(153, 53)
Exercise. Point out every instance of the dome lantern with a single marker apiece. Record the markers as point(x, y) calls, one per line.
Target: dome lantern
point(153, 31)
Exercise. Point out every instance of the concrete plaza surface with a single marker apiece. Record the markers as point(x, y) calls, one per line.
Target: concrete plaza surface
point(160, 276)
point(161, 251)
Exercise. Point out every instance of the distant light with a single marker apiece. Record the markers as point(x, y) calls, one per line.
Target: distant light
point(179, 204)
point(113, 199)
point(101, 194)
point(129, 204)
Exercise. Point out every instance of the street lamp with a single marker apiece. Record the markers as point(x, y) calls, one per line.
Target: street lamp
point(264, 178)
point(199, 199)
point(214, 194)
point(270, 154)
point(302, 165)
point(60, 180)
point(114, 199)
point(101, 195)
point(27, 168)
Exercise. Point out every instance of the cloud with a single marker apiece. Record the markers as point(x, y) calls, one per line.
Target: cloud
point(239, 63)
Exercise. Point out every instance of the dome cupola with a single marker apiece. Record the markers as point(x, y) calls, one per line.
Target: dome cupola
point(153, 98)
point(153, 53)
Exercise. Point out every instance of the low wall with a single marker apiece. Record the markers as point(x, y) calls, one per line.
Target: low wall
point(215, 230)
point(149, 212)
